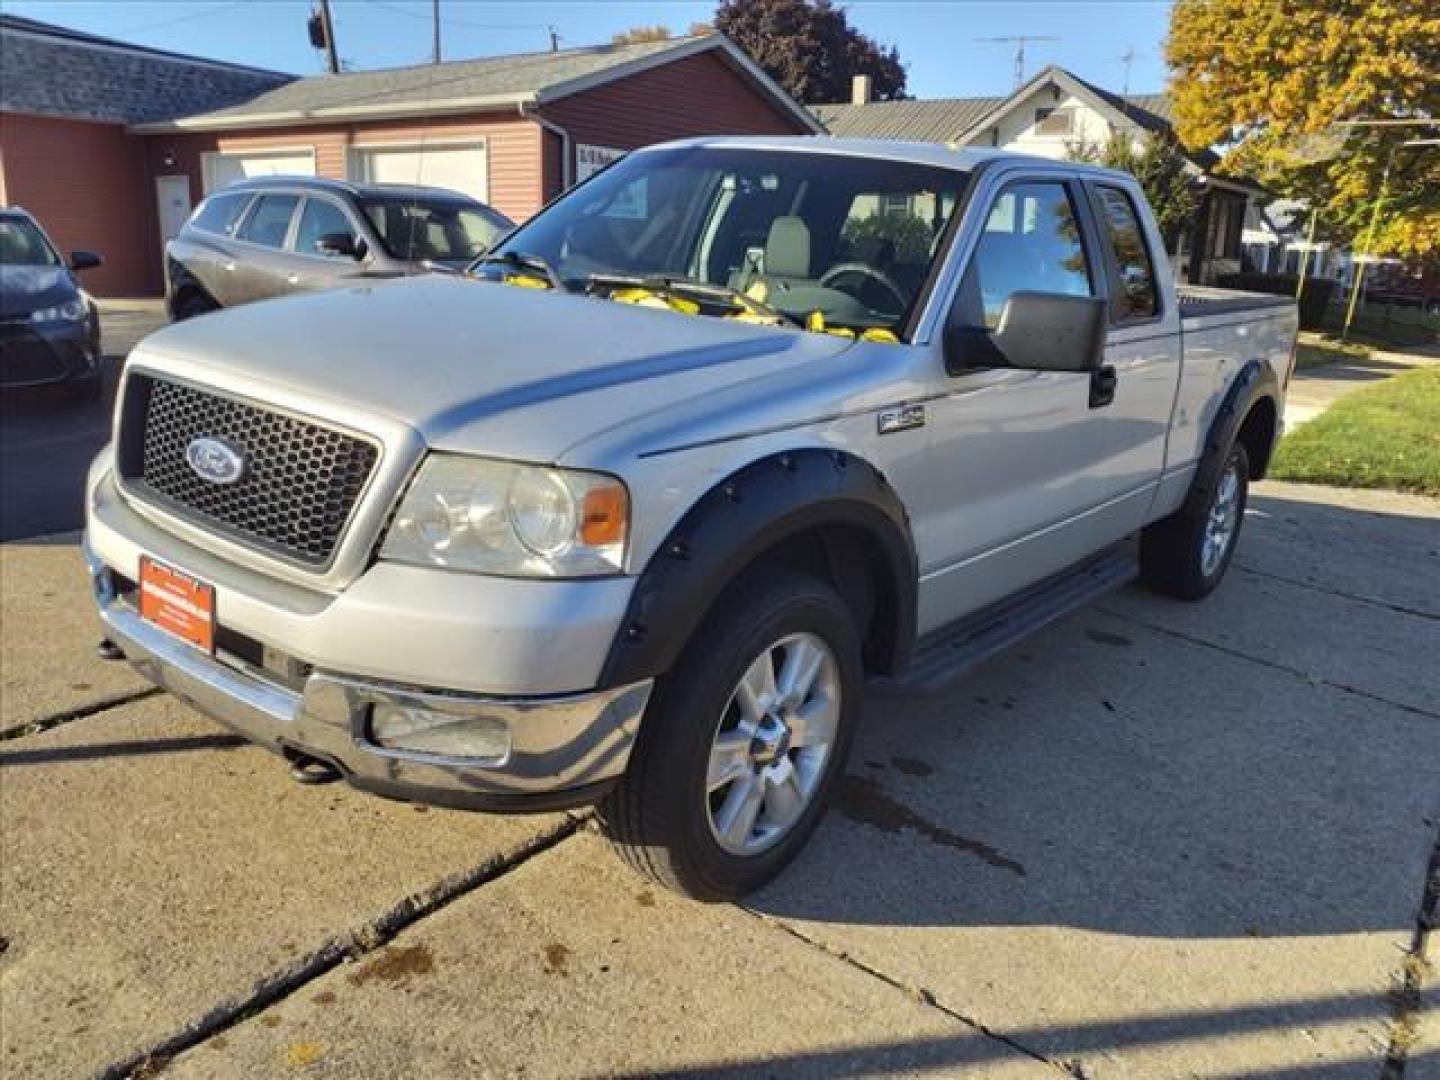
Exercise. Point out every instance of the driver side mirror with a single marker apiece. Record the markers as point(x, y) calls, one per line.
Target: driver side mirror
point(341, 244)
point(84, 260)
point(1037, 332)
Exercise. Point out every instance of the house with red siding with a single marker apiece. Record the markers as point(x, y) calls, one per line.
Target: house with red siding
point(117, 168)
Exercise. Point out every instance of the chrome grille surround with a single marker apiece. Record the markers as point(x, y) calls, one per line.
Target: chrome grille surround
point(303, 479)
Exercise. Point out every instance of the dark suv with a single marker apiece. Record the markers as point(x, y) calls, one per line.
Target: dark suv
point(267, 237)
point(49, 327)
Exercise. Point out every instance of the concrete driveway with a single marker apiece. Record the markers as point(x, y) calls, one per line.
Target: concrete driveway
point(1159, 840)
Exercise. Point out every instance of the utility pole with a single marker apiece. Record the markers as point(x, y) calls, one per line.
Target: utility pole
point(1019, 42)
point(554, 39)
point(1128, 59)
point(327, 22)
point(435, 13)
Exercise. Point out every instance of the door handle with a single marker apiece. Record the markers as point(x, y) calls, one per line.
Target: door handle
point(1102, 386)
point(293, 279)
point(227, 265)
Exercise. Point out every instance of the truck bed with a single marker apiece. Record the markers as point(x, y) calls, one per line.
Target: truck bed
point(1199, 301)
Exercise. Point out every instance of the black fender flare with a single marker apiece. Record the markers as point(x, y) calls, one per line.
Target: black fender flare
point(1254, 381)
point(748, 513)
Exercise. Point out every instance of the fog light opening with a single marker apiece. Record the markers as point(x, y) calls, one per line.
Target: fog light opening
point(440, 734)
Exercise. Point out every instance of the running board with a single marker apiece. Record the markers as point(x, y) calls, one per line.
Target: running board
point(945, 655)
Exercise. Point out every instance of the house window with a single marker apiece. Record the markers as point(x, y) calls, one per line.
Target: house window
point(1054, 123)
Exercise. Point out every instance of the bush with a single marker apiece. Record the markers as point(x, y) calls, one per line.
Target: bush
point(1318, 292)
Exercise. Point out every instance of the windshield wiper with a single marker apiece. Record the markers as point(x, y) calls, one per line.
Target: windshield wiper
point(676, 284)
point(524, 261)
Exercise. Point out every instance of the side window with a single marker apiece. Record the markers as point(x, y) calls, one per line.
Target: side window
point(270, 220)
point(1135, 298)
point(1031, 243)
point(320, 218)
point(219, 213)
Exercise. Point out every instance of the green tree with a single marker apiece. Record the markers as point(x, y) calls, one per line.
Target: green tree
point(1277, 82)
point(1161, 167)
point(810, 48)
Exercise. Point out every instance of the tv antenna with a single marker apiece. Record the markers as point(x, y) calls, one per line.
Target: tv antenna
point(1019, 41)
point(1127, 58)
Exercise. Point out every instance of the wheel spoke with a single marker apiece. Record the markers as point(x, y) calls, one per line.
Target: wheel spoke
point(797, 674)
point(756, 692)
point(742, 804)
point(813, 724)
point(784, 800)
point(729, 759)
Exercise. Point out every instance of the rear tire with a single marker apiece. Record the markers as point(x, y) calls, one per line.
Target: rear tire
point(1187, 554)
point(193, 304)
point(732, 768)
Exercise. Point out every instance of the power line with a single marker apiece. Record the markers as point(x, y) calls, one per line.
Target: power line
point(200, 14)
point(450, 20)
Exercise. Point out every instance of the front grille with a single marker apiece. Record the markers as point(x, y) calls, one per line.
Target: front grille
point(301, 481)
point(26, 359)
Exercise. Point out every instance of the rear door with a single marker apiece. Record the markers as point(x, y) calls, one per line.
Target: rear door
point(263, 265)
point(1143, 344)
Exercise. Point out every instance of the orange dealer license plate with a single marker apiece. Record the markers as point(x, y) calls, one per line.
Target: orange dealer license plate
point(177, 603)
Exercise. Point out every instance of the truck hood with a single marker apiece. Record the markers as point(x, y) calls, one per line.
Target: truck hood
point(480, 367)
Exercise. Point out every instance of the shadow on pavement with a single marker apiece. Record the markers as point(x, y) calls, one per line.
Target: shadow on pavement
point(136, 748)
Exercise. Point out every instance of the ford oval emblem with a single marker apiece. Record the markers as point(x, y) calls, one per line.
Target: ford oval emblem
point(215, 460)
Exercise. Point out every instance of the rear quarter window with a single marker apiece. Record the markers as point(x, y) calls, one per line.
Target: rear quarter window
point(219, 213)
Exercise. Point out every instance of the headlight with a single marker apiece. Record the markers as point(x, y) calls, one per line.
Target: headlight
point(498, 517)
point(69, 311)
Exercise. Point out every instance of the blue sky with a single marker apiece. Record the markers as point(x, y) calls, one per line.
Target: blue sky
point(935, 37)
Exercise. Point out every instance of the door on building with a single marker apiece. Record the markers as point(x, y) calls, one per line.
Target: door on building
point(459, 167)
point(225, 167)
point(172, 199)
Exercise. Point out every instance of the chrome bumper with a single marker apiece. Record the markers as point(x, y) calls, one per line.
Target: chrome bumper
point(564, 749)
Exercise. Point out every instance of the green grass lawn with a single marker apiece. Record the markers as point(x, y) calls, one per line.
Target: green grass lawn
point(1316, 350)
point(1386, 436)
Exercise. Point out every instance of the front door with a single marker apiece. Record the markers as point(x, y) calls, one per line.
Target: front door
point(172, 200)
point(1021, 480)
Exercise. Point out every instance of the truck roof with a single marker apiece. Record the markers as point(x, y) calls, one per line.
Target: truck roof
point(964, 158)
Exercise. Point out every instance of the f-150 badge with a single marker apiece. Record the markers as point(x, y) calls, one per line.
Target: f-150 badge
point(901, 418)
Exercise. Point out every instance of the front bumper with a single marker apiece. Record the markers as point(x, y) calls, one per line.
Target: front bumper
point(565, 750)
point(33, 356)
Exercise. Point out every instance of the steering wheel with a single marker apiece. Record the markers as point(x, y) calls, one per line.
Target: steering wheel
point(865, 270)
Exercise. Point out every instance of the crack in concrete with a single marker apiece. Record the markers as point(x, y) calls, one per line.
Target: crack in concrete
point(79, 712)
point(1273, 665)
point(1372, 601)
point(373, 935)
point(918, 993)
point(1405, 1003)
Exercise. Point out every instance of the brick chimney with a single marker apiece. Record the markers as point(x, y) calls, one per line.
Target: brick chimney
point(860, 90)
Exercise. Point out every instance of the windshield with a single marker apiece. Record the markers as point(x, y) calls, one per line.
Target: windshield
point(849, 238)
point(22, 244)
point(434, 230)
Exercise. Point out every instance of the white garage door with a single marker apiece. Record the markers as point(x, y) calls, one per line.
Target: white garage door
point(459, 167)
point(223, 168)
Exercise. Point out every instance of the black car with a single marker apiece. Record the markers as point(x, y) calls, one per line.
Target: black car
point(49, 326)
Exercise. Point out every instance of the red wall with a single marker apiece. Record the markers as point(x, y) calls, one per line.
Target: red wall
point(700, 95)
point(86, 184)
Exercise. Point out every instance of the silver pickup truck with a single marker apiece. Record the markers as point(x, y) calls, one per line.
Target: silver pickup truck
point(637, 510)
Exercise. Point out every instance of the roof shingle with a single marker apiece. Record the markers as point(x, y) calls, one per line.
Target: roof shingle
point(53, 71)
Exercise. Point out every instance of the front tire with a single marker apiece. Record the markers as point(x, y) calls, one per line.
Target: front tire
point(1187, 554)
point(743, 741)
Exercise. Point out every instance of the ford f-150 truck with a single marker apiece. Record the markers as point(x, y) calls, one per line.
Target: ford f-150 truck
point(637, 510)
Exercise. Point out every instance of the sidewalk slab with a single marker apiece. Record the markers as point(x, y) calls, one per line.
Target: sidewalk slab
point(1150, 858)
point(156, 868)
point(47, 648)
point(1383, 546)
point(571, 966)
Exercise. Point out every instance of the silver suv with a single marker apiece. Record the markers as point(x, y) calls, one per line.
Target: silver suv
point(262, 238)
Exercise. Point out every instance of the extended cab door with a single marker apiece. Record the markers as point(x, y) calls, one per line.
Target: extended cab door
point(1027, 474)
point(262, 265)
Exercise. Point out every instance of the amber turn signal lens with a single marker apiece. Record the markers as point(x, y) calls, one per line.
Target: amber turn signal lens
point(604, 515)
